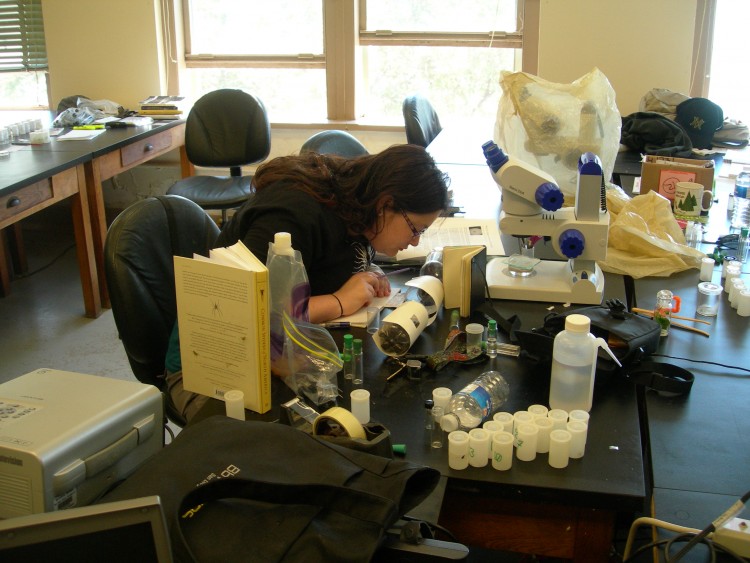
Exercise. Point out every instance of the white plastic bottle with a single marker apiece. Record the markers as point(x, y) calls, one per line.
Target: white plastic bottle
point(476, 402)
point(289, 289)
point(574, 365)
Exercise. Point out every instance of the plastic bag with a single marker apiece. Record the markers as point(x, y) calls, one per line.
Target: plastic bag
point(550, 125)
point(304, 355)
point(313, 361)
point(645, 239)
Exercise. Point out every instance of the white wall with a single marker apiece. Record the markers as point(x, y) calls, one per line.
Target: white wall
point(637, 44)
point(103, 49)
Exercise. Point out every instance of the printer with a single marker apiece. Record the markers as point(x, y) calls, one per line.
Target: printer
point(66, 438)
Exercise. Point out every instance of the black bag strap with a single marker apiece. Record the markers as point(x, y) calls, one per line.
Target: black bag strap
point(664, 378)
point(366, 507)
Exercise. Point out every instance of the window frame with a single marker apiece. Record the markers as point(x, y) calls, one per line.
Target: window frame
point(345, 31)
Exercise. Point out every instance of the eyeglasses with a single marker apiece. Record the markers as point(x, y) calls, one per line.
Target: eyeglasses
point(414, 232)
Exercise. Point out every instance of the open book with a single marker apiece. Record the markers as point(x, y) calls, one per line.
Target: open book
point(222, 315)
point(464, 268)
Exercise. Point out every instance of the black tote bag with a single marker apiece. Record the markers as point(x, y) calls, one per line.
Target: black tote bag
point(257, 491)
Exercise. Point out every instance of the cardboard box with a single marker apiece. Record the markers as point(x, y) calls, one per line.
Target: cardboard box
point(661, 174)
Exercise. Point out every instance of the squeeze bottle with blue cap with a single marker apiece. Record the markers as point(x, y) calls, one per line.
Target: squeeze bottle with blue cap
point(574, 365)
point(476, 402)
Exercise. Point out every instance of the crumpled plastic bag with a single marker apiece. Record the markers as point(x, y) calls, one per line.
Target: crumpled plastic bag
point(85, 111)
point(550, 125)
point(644, 237)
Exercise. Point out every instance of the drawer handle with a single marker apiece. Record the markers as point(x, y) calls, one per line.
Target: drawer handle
point(148, 148)
point(14, 202)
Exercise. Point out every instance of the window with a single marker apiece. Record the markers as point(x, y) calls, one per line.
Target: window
point(730, 60)
point(348, 59)
point(23, 55)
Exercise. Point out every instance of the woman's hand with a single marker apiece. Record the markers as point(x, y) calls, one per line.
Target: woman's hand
point(358, 291)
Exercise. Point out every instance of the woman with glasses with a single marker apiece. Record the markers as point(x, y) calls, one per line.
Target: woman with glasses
point(339, 212)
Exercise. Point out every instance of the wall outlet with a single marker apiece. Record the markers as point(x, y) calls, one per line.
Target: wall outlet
point(735, 535)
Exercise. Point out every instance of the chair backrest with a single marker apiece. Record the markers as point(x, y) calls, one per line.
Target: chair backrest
point(421, 120)
point(227, 127)
point(139, 268)
point(335, 142)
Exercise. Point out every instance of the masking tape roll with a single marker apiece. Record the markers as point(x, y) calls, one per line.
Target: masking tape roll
point(336, 419)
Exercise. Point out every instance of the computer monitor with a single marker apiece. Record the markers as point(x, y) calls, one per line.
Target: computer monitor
point(123, 531)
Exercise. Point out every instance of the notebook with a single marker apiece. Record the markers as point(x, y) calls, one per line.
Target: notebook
point(123, 531)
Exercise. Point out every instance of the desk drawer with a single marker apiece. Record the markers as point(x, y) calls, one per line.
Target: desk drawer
point(142, 151)
point(21, 200)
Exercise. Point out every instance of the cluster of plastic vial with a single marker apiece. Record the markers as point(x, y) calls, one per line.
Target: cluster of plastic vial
point(737, 291)
point(14, 131)
point(521, 435)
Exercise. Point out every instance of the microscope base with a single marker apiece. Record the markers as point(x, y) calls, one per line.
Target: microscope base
point(551, 282)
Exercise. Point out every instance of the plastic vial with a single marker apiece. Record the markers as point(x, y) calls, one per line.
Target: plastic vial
point(741, 211)
point(428, 404)
point(348, 356)
point(573, 365)
point(436, 440)
point(666, 304)
point(492, 338)
point(358, 372)
point(742, 245)
point(476, 402)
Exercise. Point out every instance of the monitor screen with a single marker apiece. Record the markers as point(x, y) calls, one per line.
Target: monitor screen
point(124, 531)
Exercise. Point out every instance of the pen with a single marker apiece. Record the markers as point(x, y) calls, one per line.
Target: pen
point(393, 273)
point(337, 325)
point(79, 127)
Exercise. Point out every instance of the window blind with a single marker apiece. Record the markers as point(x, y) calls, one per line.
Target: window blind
point(22, 45)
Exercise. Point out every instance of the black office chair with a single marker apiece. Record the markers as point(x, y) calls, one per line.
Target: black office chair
point(225, 128)
point(421, 120)
point(335, 142)
point(138, 265)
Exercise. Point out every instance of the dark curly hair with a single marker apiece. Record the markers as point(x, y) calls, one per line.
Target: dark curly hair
point(352, 187)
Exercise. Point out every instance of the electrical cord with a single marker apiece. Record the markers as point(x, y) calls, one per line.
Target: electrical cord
point(48, 264)
point(691, 536)
point(728, 366)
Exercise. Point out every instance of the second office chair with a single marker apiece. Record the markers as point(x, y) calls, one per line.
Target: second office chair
point(421, 120)
point(225, 128)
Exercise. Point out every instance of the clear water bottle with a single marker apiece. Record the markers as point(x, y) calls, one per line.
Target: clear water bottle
point(741, 210)
point(433, 264)
point(476, 402)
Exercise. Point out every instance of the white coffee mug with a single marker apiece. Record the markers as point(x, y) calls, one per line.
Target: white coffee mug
point(690, 199)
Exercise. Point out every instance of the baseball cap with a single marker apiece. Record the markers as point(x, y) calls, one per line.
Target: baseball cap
point(701, 118)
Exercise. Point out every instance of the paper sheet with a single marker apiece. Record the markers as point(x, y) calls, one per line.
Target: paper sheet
point(359, 319)
point(453, 231)
point(81, 134)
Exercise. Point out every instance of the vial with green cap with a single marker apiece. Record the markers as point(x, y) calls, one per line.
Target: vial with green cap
point(347, 356)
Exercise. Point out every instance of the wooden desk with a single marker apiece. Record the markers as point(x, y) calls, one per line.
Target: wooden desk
point(31, 181)
point(109, 154)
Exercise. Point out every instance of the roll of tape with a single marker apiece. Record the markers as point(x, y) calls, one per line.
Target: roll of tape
point(338, 421)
